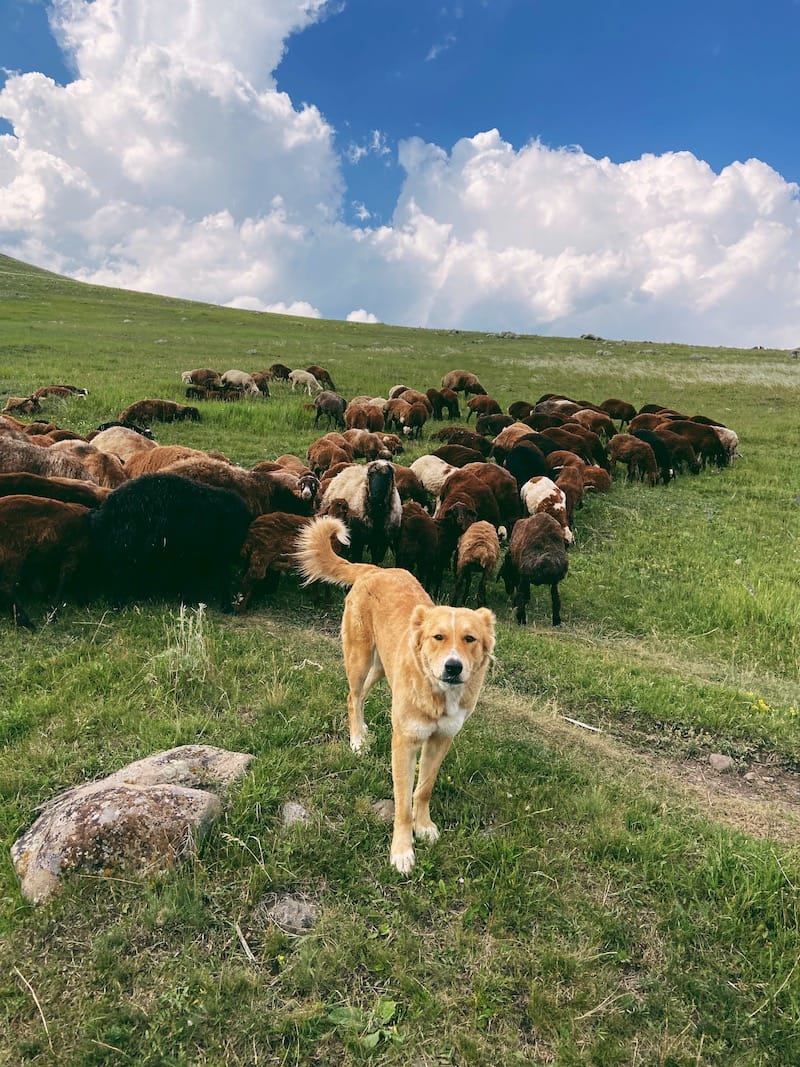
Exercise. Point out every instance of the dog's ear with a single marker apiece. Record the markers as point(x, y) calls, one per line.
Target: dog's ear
point(416, 623)
point(487, 617)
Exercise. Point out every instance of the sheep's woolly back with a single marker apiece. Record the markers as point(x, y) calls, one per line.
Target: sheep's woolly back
point(349, 485)
point(432, 471)
point(479, 544)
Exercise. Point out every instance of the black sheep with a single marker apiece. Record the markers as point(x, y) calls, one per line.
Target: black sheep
point(537, 555)
point(162, 534)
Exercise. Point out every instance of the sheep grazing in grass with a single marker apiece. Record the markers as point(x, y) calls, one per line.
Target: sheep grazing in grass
point(44, 545)
point(203, 377)
point(482, 405)
point(541, 494)
point(165, 535)
point(374, 507)
point(241, 382)
point(70, 490)
point(268, 551)
point(332, 406)
point(634, 454)
point(305, 381)
point(618, 409)
point(537, 555)
point(279, 372)
point(59, 390)
point(122, 441)
point(322, 376)
point(21, 405)
point(462, 381)
point(20, 454)
point(478, 553)
point(147, 411)
point(417, 546)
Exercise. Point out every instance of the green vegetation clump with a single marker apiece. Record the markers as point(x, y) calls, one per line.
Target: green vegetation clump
point(595, 898)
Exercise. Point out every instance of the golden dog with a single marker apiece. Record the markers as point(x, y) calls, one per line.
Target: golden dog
point(434, 659)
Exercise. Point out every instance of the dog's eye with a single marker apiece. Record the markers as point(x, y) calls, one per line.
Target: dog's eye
point(469, 638)
point(438, 637)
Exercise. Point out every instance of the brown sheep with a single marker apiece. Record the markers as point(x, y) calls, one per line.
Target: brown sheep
point(414, 421)
point(262, 382)
point(59, 390)
point(261, 493)
point(636, 455)
point(619, 409)
point(323, 454)
point(23, 455)
point(410, 487)
point(460, 435)
point(391, 441)
point(570, 482)
point(322, 376)
point(147, 411)
point(537, 555)
point(541, 494)
point(44, 544)
point(491, 425)
point(150, 460)
point(520, 409)
point(462, 381)
point(458, 455)
point(23, 405)
point(478, 553)
point(595, 479)
point(279, 372)
point(483, 405)
point(417, 546)
point(269, 550)
point(70, 490)
point(597, 421)
point(703, 439)
point(203, 377)
point(332, 406)
point(509, 437)
point(104, 469)
point(366, 445)
point(397, 411)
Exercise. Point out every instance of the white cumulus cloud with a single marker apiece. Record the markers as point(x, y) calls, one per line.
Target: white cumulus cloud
point(172, 164)
point(360, 315)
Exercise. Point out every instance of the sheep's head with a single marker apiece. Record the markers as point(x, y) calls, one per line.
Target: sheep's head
point(380, 480)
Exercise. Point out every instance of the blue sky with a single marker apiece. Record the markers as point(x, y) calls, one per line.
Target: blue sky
point(544, 166)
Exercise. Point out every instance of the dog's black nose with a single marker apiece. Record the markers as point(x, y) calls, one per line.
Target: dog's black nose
point(453, 668)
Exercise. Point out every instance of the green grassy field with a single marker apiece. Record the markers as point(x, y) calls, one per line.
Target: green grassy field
point(595, 898)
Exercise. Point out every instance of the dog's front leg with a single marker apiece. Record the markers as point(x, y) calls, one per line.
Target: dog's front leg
point(433, 752)
point(404, 755)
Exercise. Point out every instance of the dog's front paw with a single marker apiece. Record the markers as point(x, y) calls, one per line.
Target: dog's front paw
point(429, 830)
point(403, 861)
point(359, 742)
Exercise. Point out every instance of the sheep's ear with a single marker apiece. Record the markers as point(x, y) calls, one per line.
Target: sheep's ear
point(416, 623)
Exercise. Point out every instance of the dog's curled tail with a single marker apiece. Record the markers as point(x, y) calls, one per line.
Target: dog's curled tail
point(316, 558)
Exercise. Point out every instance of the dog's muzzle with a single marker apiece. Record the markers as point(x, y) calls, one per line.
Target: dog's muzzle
point(452, 671)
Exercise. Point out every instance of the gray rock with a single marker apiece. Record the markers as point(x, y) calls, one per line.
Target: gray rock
point(143, 817)
point(293, 813)
point(293, 914)
point(720, 763)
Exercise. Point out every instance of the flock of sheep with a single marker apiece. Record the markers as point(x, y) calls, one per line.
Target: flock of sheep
point(115, 514)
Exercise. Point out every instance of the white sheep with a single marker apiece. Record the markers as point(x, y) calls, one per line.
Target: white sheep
point(241, 380)
point(306, 381)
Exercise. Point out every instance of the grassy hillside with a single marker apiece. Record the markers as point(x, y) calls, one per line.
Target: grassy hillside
point(595, 898)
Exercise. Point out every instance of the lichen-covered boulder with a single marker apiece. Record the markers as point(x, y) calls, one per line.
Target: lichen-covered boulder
point(142, 818)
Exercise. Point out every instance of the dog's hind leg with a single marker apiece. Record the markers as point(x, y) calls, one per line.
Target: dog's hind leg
point(363, 668)
point(434, 751)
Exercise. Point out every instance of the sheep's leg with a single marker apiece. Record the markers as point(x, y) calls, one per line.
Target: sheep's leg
point(404, 753)
point(481, 597)
point(434, 751)
point(556, 602)
point(522, 598)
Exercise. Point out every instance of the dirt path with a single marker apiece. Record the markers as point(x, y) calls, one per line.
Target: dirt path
point(759, 799)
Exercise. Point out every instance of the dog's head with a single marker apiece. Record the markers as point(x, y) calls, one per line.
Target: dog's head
point(453, 643)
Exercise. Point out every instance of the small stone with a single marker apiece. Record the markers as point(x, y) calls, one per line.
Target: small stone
point(720, 763)
point(293, 914)
point(383, 810)
point(292, 813)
